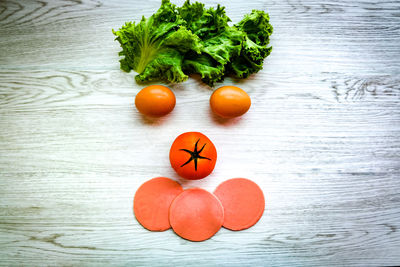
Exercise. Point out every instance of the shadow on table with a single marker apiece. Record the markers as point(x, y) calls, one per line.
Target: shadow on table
point(223, 121)
point(153, 121)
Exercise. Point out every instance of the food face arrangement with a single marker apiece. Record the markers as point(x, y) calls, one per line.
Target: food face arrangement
point(168, 46)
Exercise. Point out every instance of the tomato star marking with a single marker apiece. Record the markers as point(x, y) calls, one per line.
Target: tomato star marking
point(194, 155)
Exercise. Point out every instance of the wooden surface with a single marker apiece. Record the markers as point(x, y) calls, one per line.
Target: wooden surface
point(322, 139)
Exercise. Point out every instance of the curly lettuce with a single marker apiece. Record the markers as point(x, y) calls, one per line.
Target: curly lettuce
point(155, 47)
point(255, 46)
point(178, 41)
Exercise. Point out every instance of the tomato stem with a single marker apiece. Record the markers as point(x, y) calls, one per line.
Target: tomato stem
point(194, 155)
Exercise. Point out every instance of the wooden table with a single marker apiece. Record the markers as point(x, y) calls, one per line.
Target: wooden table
point(322, 138)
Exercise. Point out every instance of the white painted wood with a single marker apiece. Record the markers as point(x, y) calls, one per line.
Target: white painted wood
point(322, 139)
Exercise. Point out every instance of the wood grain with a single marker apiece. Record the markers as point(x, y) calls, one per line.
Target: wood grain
point(322, 139)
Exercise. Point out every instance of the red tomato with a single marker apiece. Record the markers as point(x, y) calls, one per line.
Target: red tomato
point(193, 155)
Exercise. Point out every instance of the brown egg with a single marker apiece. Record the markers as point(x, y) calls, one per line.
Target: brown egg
point(155, 101)
point(230, 101)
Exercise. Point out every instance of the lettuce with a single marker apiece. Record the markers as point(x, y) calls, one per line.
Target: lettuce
point(176, 42)
point(155, 47)
point(255, 46)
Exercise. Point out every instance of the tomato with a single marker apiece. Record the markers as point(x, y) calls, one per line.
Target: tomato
point(230, 102)
point(155, 101)
point(193, 155)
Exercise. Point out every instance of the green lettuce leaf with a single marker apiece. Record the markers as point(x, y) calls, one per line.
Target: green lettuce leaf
point(216, 53)
point(205, 23)
point(175, 42)
point(219, 41)
point(255, 48)
point(155, 47)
